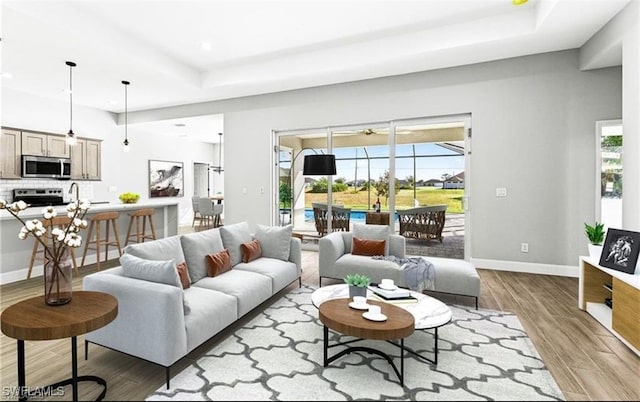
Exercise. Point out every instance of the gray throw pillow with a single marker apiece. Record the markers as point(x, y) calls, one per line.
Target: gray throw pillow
point(372, 232)
point(153, 271)
point(233, 236)
point(168, 248)
point(275, 241)
point(196, 247)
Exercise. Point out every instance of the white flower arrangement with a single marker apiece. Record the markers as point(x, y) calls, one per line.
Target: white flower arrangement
point(60, 239)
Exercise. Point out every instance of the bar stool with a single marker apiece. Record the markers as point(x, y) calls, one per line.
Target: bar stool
point(141, 232)
point(60, 222)
point(109, 218)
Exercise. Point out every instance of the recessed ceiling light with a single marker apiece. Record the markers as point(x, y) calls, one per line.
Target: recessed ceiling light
point(518, 2)
point(206, 46)
point(7, 75)
point(113, 102)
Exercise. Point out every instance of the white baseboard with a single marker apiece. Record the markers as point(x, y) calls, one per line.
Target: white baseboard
point(528, 267)
point(21, 274)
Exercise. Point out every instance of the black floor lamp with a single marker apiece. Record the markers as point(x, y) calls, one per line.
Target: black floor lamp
point(319, 165)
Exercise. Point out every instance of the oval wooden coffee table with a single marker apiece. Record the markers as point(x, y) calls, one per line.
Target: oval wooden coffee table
point(34, 320)
point(337, 315)
point(429, 313)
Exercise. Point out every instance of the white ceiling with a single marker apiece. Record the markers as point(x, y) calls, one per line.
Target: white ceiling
point(257, 47)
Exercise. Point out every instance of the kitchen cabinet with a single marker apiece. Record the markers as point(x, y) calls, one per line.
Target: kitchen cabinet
point(10, 152)
point(41, 144)
point(86, 160)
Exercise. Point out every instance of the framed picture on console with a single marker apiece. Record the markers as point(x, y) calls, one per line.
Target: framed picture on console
point(620, 250)
point(166, 179)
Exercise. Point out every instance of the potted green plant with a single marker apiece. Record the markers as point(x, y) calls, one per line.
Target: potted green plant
point(595, 234)
point(357, 284)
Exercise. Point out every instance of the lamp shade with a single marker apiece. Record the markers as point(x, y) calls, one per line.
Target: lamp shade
point(319, 165)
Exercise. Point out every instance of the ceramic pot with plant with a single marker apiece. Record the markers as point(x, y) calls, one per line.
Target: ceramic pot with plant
point(357, 284)
point(595, 234)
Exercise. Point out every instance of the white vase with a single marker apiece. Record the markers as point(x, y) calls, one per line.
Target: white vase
point(594, 251)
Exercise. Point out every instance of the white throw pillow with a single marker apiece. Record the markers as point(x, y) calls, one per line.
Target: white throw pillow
point(153, 271)
point(233, 236)
point(372, 232)
point(275, 241)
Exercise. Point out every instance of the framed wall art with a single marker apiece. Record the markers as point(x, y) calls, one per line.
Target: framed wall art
point(620, 250)
point(166, 179)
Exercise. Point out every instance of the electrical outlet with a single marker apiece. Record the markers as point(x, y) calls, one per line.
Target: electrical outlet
point(261, 190)
point(501, 192)
point(524, 247)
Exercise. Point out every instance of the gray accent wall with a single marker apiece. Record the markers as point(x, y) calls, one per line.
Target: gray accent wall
point(533, 122)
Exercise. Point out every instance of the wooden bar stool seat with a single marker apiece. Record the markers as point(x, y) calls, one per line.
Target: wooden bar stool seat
point(141, 216)
point(109, 218)
point(60, 222)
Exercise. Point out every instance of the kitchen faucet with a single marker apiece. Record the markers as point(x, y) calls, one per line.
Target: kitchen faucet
point(77, 190)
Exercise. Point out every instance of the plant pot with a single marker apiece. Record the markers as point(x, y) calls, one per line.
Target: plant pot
point(357, 291)
point(594, 251)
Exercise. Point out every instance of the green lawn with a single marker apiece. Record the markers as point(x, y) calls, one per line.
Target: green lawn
point(404, 199)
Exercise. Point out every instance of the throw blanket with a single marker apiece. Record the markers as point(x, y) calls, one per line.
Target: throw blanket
point(419, 274)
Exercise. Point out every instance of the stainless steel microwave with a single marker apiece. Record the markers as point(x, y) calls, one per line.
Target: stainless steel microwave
point(46, 167)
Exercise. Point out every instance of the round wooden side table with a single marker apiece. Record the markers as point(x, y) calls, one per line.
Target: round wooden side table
point(337, 315)
point(34, 320)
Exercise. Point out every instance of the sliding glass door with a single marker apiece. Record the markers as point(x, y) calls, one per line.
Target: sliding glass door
point(397, 165)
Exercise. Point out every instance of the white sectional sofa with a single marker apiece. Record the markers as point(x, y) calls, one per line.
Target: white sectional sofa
point(452, 275)
point(162, 322)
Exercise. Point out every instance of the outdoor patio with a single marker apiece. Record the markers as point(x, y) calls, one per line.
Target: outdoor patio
point(452, 245)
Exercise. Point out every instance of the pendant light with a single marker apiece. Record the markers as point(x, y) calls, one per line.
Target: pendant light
point(71, 137)
point(125, 144)
point(219, 168)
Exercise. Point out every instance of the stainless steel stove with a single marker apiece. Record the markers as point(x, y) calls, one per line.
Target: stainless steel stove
point(39, 197)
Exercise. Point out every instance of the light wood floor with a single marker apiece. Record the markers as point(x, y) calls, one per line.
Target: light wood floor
point(587, 362)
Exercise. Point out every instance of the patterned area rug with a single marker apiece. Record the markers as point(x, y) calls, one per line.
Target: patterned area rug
point(484, 355)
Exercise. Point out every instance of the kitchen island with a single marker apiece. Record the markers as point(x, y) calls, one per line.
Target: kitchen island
point(15, 253)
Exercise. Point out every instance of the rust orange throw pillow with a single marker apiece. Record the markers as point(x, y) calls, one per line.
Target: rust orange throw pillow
point(218, 263)
point(251, 251)
point(183, 273)
point(367, 247)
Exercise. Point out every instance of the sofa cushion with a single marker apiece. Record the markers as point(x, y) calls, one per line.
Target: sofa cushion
point(249, 288)
point(275, 241)
point(251, 250)
point(183, 273)
point(168, 248)
point(232, 237)
point(374, 269)
point(153, 271)
point(372, 232)
point(282, 273)
point(367, 247)
point(211, 312)
point(196, 247)
point(218, 263)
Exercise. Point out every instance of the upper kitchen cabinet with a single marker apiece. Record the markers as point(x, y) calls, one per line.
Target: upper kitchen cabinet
point(86, 160)
point(44, 145)
point(10, 151)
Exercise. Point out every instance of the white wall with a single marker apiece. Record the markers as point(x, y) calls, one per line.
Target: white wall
point(124, 171)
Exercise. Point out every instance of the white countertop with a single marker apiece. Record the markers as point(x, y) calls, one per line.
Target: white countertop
point(36, 212)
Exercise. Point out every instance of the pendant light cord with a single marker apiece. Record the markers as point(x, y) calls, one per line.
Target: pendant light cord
point(71, 98)
point(126, 113)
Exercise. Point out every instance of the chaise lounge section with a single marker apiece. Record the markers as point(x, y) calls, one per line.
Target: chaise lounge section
point(452, 276)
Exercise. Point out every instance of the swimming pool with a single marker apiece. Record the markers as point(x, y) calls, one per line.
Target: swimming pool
point(356, 216)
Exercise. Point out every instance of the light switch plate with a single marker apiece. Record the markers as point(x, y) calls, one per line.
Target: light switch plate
point(501, 192)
